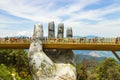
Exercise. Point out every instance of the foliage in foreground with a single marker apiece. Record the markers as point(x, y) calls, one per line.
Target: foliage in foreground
point(108, 69)
point(14, 64)
point(8, 74)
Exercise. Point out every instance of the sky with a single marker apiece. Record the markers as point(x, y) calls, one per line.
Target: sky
point(86, 17)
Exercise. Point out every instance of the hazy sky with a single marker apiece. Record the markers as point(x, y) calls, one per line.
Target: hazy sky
point(86, 17)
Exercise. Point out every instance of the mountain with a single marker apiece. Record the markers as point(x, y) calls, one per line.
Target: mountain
point(77, 36)
point(20, 36)
point(80, 57)
point(96, 53)
point(89, 36)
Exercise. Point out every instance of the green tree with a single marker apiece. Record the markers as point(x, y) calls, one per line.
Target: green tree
point(109, 69)
point(15, 61)
point(8, 74)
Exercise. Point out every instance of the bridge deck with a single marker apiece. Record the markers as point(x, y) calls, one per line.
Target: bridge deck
point(73, 46)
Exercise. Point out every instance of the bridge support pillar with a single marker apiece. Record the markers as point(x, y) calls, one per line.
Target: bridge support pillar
point(116, 55)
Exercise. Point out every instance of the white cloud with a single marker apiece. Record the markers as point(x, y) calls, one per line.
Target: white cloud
point(105, 28)
point(106, 54)
point(4, 33)
point(93, 53)
point(23, 33)
point(27, 10)
point(103, 54)
point(72, 8)
point(44, 11)
point(97, 14)
point(36, 11)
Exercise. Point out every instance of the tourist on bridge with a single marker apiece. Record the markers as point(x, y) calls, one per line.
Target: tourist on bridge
point(117, 40)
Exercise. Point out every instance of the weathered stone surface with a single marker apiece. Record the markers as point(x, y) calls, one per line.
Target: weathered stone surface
point(41, 66)
point(38, 31)
point(51, 30)
point(53, 64)
point(63, 59)
point(60, 30)
point(69, 32)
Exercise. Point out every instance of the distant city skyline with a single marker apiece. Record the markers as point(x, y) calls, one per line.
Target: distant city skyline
point(93, 17)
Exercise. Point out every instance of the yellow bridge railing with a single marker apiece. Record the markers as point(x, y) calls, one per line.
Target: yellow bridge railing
point(65, 41)
point(106, 44)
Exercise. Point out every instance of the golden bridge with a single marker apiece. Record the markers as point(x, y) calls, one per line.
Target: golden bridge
point(106, 44)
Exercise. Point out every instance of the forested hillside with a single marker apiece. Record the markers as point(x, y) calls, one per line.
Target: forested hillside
point(14, 65)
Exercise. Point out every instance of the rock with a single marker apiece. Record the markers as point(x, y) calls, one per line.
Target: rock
point(51, 30)
point(60, 30)
point(63, 59)
point(38, 31)
point(50, 64)
point(69, 32)
point(41, 66)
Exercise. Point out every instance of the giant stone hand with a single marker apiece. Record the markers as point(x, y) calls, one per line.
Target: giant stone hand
point(51, 64)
